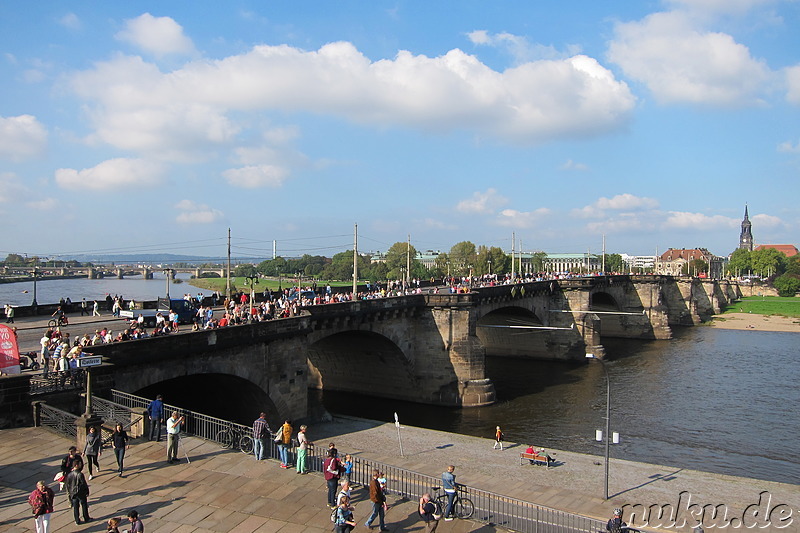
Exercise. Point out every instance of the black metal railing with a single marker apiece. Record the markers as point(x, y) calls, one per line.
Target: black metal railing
point(59, 421)
point(490, 507)
point(74, 379)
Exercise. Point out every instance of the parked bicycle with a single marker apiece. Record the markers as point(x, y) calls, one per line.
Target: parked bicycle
point(234, 437)
point(462, 506)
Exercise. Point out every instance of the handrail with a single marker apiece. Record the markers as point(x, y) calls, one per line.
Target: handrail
point(59, 421)
point(58, 381)
point(490, 507)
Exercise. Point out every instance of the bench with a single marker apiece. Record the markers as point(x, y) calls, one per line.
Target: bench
point(537, 459)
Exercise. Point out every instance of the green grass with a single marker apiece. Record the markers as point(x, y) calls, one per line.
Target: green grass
point(241, 284)
point(766, 305)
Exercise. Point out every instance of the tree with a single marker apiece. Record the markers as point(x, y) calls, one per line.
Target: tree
point(787, 285)
point(245, 270)
point(537, 261)
point(462, 257)
point(768, 262)
point(14, 259)
point(697, 266)
point(614, 263)
point(272, 267)
point(397, 257)
point(740, 262)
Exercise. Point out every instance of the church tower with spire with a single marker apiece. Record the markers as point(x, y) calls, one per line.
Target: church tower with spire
point(746, 237)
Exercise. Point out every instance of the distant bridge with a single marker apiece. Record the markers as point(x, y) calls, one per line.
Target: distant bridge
point(99, 272)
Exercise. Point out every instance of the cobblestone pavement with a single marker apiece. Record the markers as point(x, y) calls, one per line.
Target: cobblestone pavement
point(220, 491)
point(574, 485)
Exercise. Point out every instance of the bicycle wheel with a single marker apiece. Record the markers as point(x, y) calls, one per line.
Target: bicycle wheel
point(464, 508)
point(225, 438)
point(246, 444)
point(51, 323)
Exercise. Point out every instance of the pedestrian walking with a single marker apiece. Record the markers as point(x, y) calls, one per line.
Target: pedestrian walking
point(378, 499)
point(174, 424)
point(41, 502)
point(449, 485)
point(84, 307)
point(428, 510)
point(302, 450)
point(78, 491)
point(261, 433)
point(284, 440)
point(136, 523)
point(9, 314)
point(95, 308)
point(156, 413)
point(498, 439)
point(93, 449)
point(119, 440)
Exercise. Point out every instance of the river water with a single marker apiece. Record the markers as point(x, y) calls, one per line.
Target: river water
point(703, 400)
point(52, 290)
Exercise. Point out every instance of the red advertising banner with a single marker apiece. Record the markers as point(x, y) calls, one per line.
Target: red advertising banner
point(9, 352)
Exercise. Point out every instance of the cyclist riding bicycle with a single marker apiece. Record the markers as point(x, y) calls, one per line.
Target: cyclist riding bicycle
point(60, 316)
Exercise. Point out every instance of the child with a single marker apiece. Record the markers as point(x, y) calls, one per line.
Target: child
point(348, 467)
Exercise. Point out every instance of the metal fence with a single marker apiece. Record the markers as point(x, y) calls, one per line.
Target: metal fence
point(58, 381)
point(59, 421)
point(490, 507)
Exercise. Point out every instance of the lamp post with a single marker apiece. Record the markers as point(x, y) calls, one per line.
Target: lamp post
point(168, 272)
point(607, 435)
point(490, 267)
point(34, 304)
point(252, 280)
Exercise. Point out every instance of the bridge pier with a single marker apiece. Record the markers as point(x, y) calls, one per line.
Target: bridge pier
point(147, 273)
point(120, 273)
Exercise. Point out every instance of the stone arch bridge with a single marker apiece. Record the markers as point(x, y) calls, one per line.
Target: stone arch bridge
point(427, 348)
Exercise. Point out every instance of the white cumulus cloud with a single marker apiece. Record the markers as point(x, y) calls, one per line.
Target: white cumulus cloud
point(194, 213)
point(686, 220)
point(522, 219)
point(253, 176)
point(111, 174)
point(482, 202)
point(625, 202)
point(187, 112)
point(71, 21)
point(21, 137)
point(159, 36)
point(680, 62)
point(789, 148)
point(793, 84)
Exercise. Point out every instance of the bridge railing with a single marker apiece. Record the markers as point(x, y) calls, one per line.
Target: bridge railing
point(62, 422)
point(196, 424)
point(490, 507)
point(74, 379)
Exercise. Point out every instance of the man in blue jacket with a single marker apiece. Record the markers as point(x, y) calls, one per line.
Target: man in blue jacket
point(156, 412)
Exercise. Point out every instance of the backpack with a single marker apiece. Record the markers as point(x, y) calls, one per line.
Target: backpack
point(334, 514)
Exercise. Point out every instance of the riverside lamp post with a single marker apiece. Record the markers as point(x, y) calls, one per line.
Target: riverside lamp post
point(607, 436)
point(168, 272)
point(34, 304)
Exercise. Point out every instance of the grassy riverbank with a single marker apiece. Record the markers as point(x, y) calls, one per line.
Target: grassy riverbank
point(243, 284)
point(766, 305)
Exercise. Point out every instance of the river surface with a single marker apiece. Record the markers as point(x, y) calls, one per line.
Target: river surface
point(50, 291)
point(710, 399)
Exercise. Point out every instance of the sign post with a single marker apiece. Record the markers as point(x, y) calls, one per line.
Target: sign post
point(399, 440)
point(88, 363)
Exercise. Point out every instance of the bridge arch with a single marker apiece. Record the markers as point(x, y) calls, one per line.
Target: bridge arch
point(224, 396)
point(365, 362)
point(498, 339)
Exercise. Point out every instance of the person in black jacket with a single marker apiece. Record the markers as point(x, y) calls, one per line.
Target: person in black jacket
point(78, 491)
point(119, 440)
point(93, 449)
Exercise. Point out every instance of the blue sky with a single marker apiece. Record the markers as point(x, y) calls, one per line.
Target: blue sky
point(156, 126)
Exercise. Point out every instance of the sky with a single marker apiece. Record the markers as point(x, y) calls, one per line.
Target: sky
point(131, 127)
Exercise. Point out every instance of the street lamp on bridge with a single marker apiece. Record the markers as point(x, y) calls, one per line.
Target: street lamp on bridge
point(35, 275)
point(169, 273)
point(252, 280)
